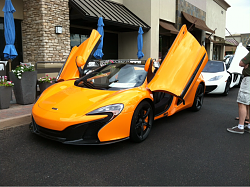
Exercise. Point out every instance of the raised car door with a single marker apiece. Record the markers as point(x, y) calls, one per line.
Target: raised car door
point(181, 67)
point(239, 54)
point(70, 70)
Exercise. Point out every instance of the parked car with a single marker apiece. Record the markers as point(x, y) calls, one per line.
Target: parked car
point(119, 101)
point(233, 65)
point(217, 79)
point(227, 57)
point(235, 77)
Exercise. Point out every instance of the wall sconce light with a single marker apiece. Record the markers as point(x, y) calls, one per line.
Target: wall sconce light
point(58, 29)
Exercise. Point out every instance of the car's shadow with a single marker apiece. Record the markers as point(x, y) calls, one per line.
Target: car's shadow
point(164, 124)
point(93, 149)
point(234, 89)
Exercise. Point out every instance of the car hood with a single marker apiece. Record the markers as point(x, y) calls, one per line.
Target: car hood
point(76, 101)
point(240, 53)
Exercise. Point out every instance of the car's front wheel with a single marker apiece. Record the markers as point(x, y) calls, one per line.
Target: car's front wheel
point(198, 99)
point(142, 122)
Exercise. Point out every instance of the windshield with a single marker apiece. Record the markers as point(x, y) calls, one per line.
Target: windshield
point(228, 61)
point(114, 77)
point(214, 67)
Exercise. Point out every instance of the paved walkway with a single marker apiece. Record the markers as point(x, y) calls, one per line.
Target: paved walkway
point(16, 115)
point(15, 110)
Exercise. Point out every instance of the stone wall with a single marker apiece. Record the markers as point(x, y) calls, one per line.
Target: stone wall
point(182, 5)
point(40, 43)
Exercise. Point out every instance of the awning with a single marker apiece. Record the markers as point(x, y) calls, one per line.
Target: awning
point(232, 41)
point(112, 13)
point(223, 42)
point(198, 23)
point(168, 26)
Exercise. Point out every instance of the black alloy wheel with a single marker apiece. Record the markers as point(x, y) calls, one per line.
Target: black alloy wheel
point(198, 100)
point(227, 87)
point(142, 122)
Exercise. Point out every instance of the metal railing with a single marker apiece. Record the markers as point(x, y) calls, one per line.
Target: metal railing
point(43, 69)
point(91, 64)
point(134, 61)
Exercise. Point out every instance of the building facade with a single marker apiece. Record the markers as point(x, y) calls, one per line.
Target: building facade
point(235, 39)
point(36, 20)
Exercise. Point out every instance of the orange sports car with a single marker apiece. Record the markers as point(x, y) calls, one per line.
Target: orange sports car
point(119, 101)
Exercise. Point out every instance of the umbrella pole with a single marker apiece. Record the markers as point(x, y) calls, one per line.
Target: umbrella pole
point(9, 65)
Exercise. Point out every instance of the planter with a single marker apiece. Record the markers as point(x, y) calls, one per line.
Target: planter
point(44, 85)
point(5, 97)
point(25, 88)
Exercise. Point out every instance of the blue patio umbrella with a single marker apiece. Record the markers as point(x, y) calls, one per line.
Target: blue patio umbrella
point(140, 43)
point(9, 31)
point(98, 53)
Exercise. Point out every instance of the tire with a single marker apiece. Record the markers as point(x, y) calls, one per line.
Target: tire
point(198, 99)
point(142, 122)
point(241, 77)
point(227, 87)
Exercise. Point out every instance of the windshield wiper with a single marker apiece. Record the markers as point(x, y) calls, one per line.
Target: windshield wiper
point(82, 82)
point(113, 81)
point(88, 84)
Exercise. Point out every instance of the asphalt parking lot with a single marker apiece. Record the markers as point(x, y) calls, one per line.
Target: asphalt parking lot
point(189, 148)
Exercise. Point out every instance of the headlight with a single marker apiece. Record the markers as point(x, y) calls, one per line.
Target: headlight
point(216, 78)
point(114, 109)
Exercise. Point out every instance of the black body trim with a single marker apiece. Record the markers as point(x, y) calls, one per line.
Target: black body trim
point(79, 134)
point(210, 88)
point(191, 79)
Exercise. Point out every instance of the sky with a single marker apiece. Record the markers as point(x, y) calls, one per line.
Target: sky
point(238, 17)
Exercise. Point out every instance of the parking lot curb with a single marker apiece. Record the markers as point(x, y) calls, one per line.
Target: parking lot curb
point(15, 121)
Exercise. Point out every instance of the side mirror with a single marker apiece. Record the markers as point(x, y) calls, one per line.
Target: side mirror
point(80, 61)
point(147, 65)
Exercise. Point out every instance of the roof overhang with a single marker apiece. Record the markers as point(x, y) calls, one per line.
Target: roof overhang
point(115, 15)
point(223, 4)
point(169, 27)
point(198, 23)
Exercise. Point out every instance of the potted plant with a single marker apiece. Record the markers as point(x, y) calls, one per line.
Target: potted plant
point(5, 92)
point(45, 82)
point(25, 79)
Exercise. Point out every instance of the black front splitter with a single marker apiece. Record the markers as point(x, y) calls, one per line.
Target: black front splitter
point(72, 142)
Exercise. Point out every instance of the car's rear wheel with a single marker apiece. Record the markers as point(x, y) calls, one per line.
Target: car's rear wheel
point(142, 122)
point(227, 88)
point(198, 100)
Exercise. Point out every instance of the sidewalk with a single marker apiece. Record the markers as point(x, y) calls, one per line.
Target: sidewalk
point(16, 115)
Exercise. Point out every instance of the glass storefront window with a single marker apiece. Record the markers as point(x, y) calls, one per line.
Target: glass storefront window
point(1, 26)
point(77, 39)
point(164, 45)
point(2, 43)
point(165, 42)
point(216, 52)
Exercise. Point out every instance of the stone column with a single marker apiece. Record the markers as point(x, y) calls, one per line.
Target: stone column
point(40, 43)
